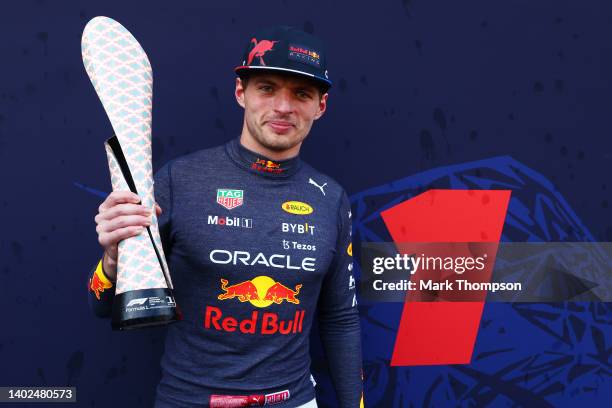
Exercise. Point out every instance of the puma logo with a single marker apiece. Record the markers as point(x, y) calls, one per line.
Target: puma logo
point(311, 181)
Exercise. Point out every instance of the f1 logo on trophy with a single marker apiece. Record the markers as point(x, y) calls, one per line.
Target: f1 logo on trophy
point(122, 76)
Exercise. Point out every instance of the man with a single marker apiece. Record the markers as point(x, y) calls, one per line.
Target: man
point(258, 243)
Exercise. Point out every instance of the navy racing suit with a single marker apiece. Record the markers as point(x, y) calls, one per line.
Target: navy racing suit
point(257, 249)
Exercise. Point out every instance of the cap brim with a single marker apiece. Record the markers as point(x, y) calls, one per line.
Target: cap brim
point(244, 68)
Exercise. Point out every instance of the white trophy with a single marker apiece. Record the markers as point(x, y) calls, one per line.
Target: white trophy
point(122, 77)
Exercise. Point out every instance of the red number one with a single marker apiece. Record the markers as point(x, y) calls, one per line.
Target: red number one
point(440, 333)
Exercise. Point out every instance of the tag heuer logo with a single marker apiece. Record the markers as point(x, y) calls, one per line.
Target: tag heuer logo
point(230, 198)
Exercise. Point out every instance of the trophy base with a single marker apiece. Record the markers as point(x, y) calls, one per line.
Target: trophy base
point(136, 309)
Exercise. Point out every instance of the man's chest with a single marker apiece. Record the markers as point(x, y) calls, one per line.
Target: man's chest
point(236, 232)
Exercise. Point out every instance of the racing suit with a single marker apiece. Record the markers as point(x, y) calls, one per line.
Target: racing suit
point(256, 248)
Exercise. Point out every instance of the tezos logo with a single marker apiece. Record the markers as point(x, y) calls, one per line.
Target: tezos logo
point(297, 207)
point(298, 245)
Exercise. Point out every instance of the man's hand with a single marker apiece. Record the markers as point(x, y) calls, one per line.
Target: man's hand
point(120, 216)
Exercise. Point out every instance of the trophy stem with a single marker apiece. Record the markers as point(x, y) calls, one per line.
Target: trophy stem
point(142, 307)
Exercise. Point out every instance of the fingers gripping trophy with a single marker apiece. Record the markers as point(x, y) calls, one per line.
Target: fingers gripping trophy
point(122, 77)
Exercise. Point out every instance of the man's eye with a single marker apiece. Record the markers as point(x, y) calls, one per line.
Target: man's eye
point(303, 94)
point(265, 88)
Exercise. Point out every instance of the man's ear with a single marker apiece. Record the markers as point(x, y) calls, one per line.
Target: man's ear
point(322, 106)
point(239, 92)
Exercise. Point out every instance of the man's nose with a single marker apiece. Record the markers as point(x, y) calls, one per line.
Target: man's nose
point(283, 102)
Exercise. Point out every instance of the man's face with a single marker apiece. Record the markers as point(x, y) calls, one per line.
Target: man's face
point(279, 109)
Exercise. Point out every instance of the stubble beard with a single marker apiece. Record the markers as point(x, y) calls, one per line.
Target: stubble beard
point(274, 142)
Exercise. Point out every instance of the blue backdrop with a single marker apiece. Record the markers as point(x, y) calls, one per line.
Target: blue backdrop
point(425, 93)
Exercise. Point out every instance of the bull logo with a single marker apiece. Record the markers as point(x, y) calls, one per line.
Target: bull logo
point(97, 285)
point(244, 291)
point(261, 291)
point(279, 292)
point(267, 163)
point(259, 50)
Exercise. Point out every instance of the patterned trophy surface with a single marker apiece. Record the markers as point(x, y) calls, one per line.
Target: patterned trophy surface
point(121, 74)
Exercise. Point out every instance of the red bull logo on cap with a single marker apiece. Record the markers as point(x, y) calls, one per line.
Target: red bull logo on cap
point(304, 54)
point(259, 50)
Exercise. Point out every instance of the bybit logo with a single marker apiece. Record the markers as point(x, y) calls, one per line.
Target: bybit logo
point(298, 228)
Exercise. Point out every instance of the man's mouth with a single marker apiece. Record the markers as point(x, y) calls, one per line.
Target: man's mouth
point(280, 126)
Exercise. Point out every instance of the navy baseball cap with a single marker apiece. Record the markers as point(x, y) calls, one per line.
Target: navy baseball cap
point(286, 49)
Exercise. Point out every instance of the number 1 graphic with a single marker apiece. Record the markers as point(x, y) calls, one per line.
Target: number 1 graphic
point(440, 333)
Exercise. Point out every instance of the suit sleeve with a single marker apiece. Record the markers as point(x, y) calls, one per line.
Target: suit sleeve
point(339, 316)
point(101, 290)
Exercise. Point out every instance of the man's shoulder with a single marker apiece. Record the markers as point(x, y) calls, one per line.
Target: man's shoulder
point(198, 159)
point(321, 182)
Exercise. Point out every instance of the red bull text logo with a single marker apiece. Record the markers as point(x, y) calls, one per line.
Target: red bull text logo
point(261, 292)
point(305, 51)
point(304, 54)
point(267, 166)
point(260, 323)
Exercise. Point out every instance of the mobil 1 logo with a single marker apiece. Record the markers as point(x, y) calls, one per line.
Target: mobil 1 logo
point(239, 222)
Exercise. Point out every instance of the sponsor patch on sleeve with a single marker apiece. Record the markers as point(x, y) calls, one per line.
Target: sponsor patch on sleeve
point(98, 283)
